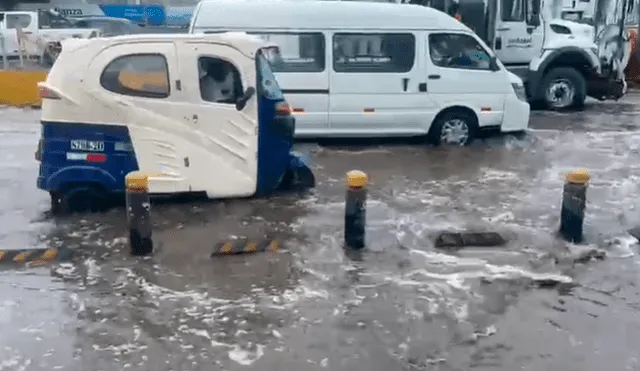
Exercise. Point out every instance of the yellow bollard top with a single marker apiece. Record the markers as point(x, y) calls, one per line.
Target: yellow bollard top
point(356, 179)
point(578, 176)
point(137, 180)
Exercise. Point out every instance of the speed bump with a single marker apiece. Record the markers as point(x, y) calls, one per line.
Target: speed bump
point(30, 256)
point(244, 246)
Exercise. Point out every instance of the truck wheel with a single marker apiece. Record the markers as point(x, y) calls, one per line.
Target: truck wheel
point(563, 88)
point(454, 127)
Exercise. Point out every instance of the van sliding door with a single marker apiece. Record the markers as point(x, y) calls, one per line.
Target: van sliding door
point(375, 79)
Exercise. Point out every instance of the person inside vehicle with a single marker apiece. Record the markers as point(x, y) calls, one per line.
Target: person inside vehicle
point(217, 81)
point(440, 52)
point(466, 54)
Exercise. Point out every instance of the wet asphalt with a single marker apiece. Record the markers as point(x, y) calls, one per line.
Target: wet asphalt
point(400, 305)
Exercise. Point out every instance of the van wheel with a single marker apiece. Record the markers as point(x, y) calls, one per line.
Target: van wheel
point(82, 199)
point(563, 88)
point(455, 127)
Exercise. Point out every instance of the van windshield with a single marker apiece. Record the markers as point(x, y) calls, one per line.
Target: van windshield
point(268, 86)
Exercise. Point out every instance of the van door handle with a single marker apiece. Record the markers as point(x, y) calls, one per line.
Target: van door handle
point(503, 29)
point(422, 87)
point(434, 77)
point(405, 84)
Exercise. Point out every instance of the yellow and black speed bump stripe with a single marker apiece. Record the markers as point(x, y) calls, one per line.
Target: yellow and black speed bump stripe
point(31, 257)
point(244, 246)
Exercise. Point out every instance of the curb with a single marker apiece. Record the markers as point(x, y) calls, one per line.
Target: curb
point(244, 246)
point(30, 257)
point(20, 88)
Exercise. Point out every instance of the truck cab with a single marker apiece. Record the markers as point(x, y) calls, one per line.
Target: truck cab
point(561, 61)
point(38, 30)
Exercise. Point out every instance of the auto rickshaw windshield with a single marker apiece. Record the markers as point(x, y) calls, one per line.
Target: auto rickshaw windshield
point(268, 85)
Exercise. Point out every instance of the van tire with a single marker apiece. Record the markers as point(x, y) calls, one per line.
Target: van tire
point(569, 86)
point(463, 119)
point(79, 199)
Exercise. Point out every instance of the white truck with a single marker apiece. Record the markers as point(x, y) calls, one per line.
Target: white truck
point(38, 30)
point(592, 11)
point(561, 61)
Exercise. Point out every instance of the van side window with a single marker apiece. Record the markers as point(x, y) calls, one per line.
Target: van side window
point(460, 51)
point(18, 21)
point(138, 75)
point(373, 52)
point(512, 10)
point(300, 52)
point(220, 81)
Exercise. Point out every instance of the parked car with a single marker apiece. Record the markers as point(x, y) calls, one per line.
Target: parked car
point(38, 33)
point(109, 26)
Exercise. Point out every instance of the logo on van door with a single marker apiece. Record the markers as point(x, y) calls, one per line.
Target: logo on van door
point(519, 42)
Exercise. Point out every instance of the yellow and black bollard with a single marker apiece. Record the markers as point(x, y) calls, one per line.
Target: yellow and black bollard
point(574, 201)
point(139, 213)
point(355, 215)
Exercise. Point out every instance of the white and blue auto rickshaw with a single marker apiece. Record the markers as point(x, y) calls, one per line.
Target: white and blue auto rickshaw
point(203, 113)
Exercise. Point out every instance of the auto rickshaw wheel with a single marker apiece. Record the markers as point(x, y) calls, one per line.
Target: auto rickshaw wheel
point(79, 199)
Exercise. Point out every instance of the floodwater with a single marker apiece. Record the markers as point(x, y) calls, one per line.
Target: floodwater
point(400, 305)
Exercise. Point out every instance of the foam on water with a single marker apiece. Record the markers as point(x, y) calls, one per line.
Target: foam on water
point(244, 357)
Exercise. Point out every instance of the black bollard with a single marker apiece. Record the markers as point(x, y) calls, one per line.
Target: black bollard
point(138, 213)
point(355, 215)
point(574, 202)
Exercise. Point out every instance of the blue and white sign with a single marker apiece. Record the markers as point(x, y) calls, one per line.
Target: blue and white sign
point(179, 16)
point(152, 15)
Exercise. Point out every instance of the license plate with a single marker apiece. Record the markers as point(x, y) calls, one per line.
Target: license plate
point(87, 145)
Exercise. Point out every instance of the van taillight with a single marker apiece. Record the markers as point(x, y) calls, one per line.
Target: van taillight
point(283, 108)
point(46, 93)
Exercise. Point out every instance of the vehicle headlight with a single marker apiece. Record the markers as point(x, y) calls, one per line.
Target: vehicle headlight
point(521, 93)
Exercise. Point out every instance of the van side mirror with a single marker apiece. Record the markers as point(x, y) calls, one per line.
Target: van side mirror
point(493, 64)
point(246, 96)
point(533, 14)
point(534, 21)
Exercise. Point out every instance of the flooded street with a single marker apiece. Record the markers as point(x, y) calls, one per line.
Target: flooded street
point(400, 305)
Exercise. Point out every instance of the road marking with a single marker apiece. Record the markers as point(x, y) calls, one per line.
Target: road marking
point(251, 247)
point(226, 248)
point(22, 257)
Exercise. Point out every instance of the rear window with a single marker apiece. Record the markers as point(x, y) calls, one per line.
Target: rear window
point(138, 75)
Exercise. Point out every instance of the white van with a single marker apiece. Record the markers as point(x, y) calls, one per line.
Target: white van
point(377, 69)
